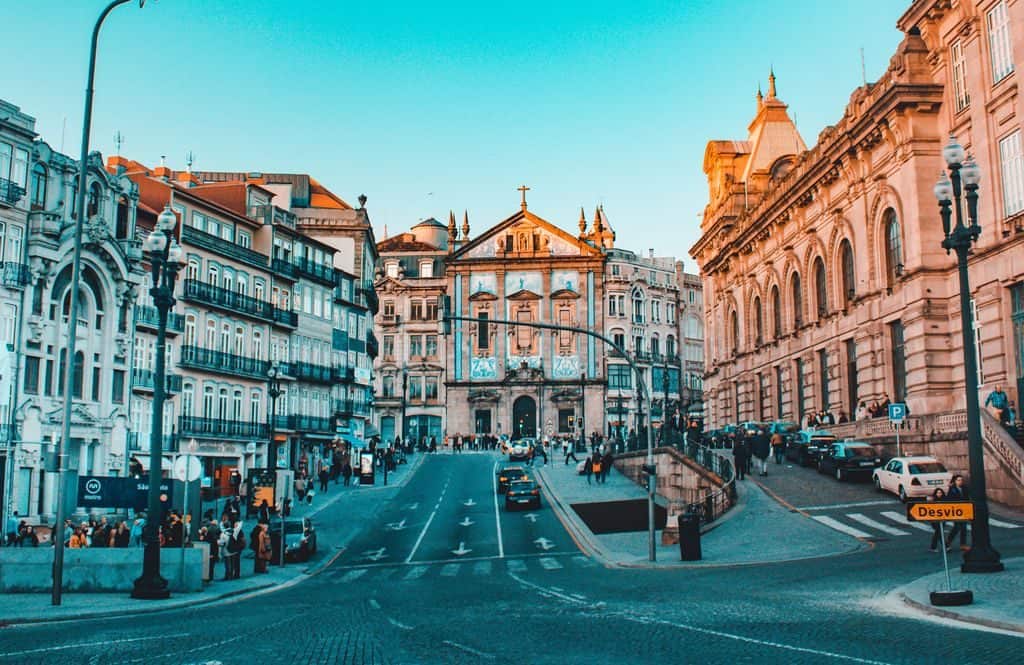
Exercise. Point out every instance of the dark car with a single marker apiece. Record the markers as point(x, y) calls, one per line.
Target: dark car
point(300, 539)
point(522, 493)
point(806, 446)
point(508, 475)
point(849, 459)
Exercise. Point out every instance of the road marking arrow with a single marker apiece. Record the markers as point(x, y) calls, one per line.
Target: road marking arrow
point(395, 526)
point(544, 544)
point(470, 502)
point(375, 555)
point(411, 506)
point(462, 550)
point(531, 516)
point(467, 522)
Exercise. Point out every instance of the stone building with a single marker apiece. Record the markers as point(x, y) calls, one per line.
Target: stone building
point(824, 277)
point(522, 381)
point(410, 370)
point(691, 335)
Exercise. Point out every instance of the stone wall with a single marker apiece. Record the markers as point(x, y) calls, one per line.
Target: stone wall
point(28, 569)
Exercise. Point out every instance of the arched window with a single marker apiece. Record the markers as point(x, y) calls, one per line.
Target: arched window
point(257, 344)
point(92, 207)
point(846, 263)
point(211, 335)
point(254, 406)
point(776, 313)
point(121, 228)
point(734, 329)
point(222, 404)
point(208, 402)
point(225, 338)
point(78, 374)
point(236, 405)
point(670, 346)
point(190, 329)
point(820, 287)
point(893, 246)
point(655, 345)
point(638, 306)
point(188, 396)
point(758, 322)
point(239, 341)
point(798, 302)
point(38, 186)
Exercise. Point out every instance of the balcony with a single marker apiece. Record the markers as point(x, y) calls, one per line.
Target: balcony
point(147, 316)
point(370, 298)
point(138, 442)
point(273, 215)
point(372, 345)
point(343, 374)
point(144, 380)
point(223, 363)
point(228, 429)
point(348, 407)
point(285, 268)
point(10, 192)
point(216, 296)
point(312, 372)
point(208, 241)
point(14, 275)
point(284, 317)
point(302, 423)
point(315, 271)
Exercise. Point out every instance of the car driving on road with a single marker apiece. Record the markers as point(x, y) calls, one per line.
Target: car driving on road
point(911, 477)
point(520, 449)
point(849, 459)
point(806, 446)
point(508, 475)
point(300, 539)
point(522, 493)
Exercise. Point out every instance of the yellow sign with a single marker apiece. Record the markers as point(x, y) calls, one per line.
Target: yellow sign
point(960, 511)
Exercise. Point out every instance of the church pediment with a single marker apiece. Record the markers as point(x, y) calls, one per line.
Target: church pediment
point(482, 296)
point(524, 235)
point(524, 295)
point(564, 294)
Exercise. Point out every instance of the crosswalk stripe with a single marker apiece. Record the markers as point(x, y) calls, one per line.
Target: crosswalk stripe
point(354, 574)
point(415, 573)
point(516, 566)
point(581, 560)
point(902, 519)
point(482, 568)
point(884, 528)
point(839, 526)
point(1002, 525)
point(450, 569)
point(547, 563)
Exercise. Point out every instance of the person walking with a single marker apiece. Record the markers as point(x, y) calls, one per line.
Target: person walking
point(543, 453)
point(740, 455)
point(263, 549)
point(938, 495)
point(12, 529)
point(300, 488)
point(762, 449)
point(264, 513)
point(588, 468)
point(778, 446)
point(595, 466)
point(957, 492)
point(346, 473)
point(606, 464)
point(135, 533)
point(570, 452)
point(324, 477)
point(235, 545)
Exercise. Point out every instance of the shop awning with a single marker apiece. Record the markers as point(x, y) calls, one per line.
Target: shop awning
point(168, 463)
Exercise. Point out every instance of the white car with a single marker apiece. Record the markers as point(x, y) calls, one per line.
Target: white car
point(911, 477)
point(520, 449)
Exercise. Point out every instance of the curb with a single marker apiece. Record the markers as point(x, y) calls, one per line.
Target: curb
point(581, 536)
point(947, 614)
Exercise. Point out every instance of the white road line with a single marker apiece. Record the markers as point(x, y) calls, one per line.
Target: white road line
point(482, 568)
point(497, 513)
point(839, 526)
point(1002, 525)
point(419, 540)
point(374, 604)
point(856, 504)
point(78, 646)
point(416, 573)
point(547, 563)
point(884, 528)
point(398, 624)
point(463, 647)
point(902, 519)
point(581, 560)
point(450, 569)
point(354, 574)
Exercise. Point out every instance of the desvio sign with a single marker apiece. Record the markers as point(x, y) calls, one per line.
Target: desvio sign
point(114, 492)
point(958, 511)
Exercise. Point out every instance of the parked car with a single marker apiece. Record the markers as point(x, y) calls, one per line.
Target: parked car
point(849, 459)
point(911, 477)
point(509, 474)
point(300, 539)
point(786, 428)
point(806, 446)
point(522, 493)
point(520, 449)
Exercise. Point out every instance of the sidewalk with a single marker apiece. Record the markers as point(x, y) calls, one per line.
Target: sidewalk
point(998, 597)
point(757, 530)
point(18, 608)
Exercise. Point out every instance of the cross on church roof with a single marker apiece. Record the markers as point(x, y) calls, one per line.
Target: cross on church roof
point(523, 189)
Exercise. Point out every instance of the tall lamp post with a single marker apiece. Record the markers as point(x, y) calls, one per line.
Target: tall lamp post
point(664, 404)
point(76, 273)
point(165, 261)
point(583, 406)
point(965, 175)
point(273, 391)
point(405, 396)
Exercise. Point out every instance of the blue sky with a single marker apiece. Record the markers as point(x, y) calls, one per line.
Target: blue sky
point(426, 107)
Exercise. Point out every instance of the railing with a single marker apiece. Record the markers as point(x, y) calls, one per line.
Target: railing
point(286, 318)
point(145, 379)
point(999, 441)
point(715, 503)
point(305, 423)
point(10, 192)
point(14, 275)
point(370, 297)
point(344, 374)
point(348, 407)
point(190, 234)
point(312, 372)
point(314, 270)
point(283, 267)
point(269, 214)
point(194, 426)
point(226, 363)
point(148, 316)
point(211, 294)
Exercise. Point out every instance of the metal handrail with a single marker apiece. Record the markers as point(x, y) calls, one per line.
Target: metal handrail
point(715, 503)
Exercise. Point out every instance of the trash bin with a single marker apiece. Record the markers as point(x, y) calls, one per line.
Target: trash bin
point(689, 536)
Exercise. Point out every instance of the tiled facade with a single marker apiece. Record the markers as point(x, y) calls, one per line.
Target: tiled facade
point(825, 280)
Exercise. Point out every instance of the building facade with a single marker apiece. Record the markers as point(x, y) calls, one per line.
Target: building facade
point(690, 318)
point(824, 277)
point(410, 390)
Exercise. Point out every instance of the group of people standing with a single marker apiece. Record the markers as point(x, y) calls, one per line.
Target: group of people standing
point(957, 491)
point(756, 444)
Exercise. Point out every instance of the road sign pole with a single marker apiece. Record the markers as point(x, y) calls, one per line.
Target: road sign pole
point(945, 555)
point(899, 450)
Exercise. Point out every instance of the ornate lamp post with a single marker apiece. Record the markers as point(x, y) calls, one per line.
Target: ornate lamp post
point(965, 175)
point(273, 391)
point(165, 261)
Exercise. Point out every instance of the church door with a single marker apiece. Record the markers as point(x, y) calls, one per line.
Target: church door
point(524, 417)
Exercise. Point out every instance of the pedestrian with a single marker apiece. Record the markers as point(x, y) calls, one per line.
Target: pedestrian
point(211, 534)
point(263, 549)
point(999, 404)
point(28, 537)
point(12, 529)
point(78, 539)
point(300, 488)
point(938, 495)
point(135, 533)
point(595, 466)
point(324, 477)
point(570, 453)
point(778, 446)
point(862, 412)
point(234, 544)
point(957, 492)
point(346, 473)
point(264, 512)
point(740, 454)
point(309, 496)
point(606, 465)
point(121, 536)
point(762, 450)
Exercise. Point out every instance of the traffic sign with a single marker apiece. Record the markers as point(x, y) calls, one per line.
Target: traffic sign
point(897, 412)
point(953, 511)
point(187, 468)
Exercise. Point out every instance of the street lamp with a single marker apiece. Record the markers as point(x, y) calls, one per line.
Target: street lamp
point(981, 557)
point(76, 276)
point(405, 390)
point(664, 403)
point(583, 406)
point(273, 391)
point(165, 261)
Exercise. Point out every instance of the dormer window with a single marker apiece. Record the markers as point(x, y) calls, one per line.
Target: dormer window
point(391, 269)
point(426, 268)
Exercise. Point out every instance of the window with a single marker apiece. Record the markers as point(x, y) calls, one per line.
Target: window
point(656, 311)
point(758, 322)
point(734, 332)
point(254, 406)
point(225, 338)
point(615, 269)
point(999, 44)
point(432, 309)
point(236, 405)
point(431, 345)
point(670, 314)
point(638, 307)
point(798, 302)
point(222, 404)
point(565, 337)
point(388, 310)
point(117, 386)
point(655, 346)
point(245, 239)
point(391, 269)
point(899, 362)
point(31, 374)
point(416, 310)
point(78, 375)
point(1011, 163)
point(638, 344)
point(612, 311)
point(388, 385)
point(823, 381)
point(852, 383)
point(240, 341)
point(426, 269)
point(13, 243)
point(257, 344)
point(93, 204)
point(6, 150)
point(188, 394)
point(430, 387)
point(776, 313)
point(95, 385)
point(415, 345)
point(619, 377)
point(388, 346)
point(38, 199)
point(619, 339)
point(211, 335)
point(19, 168)
point(670, 346)
point(415, 388)
point(893, 246)
point(820, 287)
point(849, 279)
point(958, 67)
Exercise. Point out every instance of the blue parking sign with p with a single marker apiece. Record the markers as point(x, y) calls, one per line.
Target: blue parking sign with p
point(897, 412)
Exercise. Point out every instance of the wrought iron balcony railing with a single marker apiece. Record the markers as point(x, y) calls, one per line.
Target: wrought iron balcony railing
point(192, 235)
point(14, 275)
point(312, 372)
point(10, 192)
point(145, 380)
point(224, 363)
point(229, 429)
point(147, 316)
